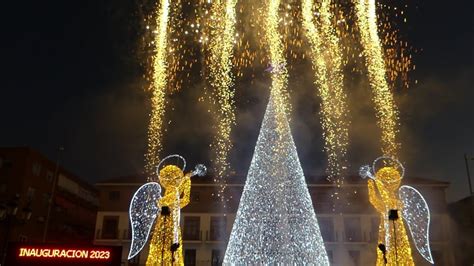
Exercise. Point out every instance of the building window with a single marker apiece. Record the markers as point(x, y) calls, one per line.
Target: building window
point(374, 228)
point(436, 228)
point(355, 257)
point(5, 163)
point(49, 176)
point(190, 257)
point(46, 197)
point(217, 257)
point(36, 169)
point(110, 227)
point(135, 261)
point(438, 257)
point(330, 256)
point(352, 228)
point(22, 239)
point(326, 226)
point(195, 197)
point(215, 197)
point(192, 227)
point(218, 228)
point(114, 195)
point(30, 193)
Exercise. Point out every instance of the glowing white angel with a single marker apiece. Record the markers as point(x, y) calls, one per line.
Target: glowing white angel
point(386, 194)
point(148, 208)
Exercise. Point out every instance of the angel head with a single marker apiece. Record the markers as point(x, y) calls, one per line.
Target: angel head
point(390, 176)
point(385, 169)
point(171, 176)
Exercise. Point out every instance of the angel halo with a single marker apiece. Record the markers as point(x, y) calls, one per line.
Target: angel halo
point(386, 195)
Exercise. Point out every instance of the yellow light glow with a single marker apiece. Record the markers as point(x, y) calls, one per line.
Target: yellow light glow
point(276, 51)
point(382, 96)
point(221, 47)
point(175, 184)
point(383, 195)
point(328, 77)
point(158, 87)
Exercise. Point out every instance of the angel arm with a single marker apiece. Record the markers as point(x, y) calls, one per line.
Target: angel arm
point(185, 191)
point(375, 199)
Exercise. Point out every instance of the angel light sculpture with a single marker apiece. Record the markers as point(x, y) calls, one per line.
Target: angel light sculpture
point(149, 208)
point(387, 196)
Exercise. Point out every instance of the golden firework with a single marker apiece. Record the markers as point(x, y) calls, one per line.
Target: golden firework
point(382, 96)
point(158, 87)
point(327, 63)
point(221, 47)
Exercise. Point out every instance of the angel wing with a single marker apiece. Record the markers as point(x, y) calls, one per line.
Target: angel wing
point(144, 209)
point(417, 215)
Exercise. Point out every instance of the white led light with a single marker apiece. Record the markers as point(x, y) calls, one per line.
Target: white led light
point(275, 222)
point(143, 211)
point(417, 215)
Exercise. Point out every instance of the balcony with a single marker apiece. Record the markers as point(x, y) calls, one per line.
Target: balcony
point(192, 236)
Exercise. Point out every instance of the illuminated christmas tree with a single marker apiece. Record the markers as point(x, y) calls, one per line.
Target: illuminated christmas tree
point(275, 222)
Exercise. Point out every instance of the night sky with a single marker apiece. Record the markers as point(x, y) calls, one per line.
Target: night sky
point(71, 76)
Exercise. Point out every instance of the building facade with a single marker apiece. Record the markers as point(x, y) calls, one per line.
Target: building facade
point(26, 182)
point(350, 233)
point(462, 213)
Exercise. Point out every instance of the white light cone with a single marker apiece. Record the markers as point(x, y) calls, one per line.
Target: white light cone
point(275, 222)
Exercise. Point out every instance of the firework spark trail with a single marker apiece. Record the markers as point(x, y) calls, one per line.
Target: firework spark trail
point(383, 99)
point(158, 88)
point(221, 47)
point(327, 63)
point(277, 56)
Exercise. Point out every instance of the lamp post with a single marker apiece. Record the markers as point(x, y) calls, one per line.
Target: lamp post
point(466, 160)
point(8, 216)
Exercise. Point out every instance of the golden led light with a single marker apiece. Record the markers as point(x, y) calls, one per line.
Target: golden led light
point(221, 47)
point(328, 77)
point(276, 52)
point(386, 194)
point(382, 96)
point(158, 87)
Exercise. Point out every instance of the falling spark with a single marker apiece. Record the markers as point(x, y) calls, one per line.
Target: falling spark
point(383, 99)
point(327, 63)
point(221, 47)
point(158, 88)
point(277, 55)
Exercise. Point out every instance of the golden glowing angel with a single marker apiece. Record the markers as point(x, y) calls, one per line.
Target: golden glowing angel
point(149, 208)
point(388, 197)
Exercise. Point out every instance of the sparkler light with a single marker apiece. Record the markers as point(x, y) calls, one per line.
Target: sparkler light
point(383, 99)
point(234, 35)
point(276, 54)
point(221, 47)
point(275, 222)
point(327, 63)
point(158, 87)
